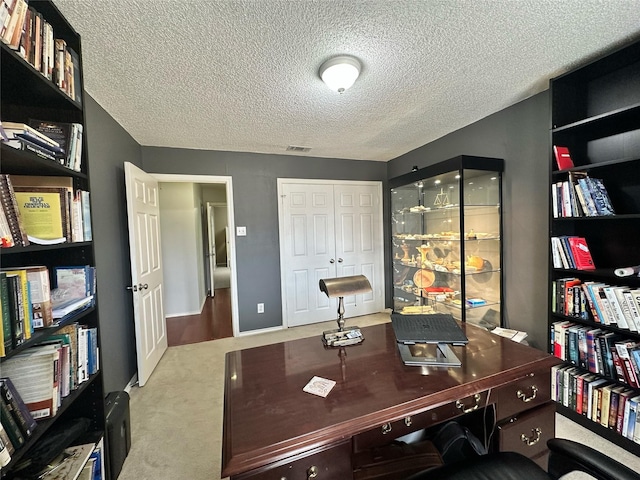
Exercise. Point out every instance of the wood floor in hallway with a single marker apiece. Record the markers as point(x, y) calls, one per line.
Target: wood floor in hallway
point(213, 323)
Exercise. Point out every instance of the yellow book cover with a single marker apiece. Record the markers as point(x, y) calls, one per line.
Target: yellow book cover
point(44, 213)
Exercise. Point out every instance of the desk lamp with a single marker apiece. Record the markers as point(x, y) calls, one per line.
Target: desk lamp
point(341, 287)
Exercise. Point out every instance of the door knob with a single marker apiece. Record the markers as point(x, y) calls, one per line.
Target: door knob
point(340, 260)
point(332, 261)
point(143, 287)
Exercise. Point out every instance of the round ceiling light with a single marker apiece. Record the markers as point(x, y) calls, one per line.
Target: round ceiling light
point(339, 73)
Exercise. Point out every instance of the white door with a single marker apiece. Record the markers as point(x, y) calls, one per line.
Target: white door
point(329, 231)
point(211, 247)
point(359, 243)
point(146, 269)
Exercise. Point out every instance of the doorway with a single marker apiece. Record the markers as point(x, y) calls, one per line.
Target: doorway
point(191, 322)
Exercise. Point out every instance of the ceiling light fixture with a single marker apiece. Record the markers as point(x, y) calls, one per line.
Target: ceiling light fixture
point(339, 73)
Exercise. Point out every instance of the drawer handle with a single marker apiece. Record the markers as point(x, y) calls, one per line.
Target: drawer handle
point(533, 439)
point(386, 428)
point(312, 472)
point(407, 421)
point(523, 396)
point(461, 406)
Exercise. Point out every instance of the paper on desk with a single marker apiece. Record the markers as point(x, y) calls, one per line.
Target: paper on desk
point(319, 386)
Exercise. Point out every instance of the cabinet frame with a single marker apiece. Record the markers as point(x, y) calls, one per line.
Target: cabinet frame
point(459, 165)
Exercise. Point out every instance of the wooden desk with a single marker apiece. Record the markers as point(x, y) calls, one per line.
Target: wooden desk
point(274, 430)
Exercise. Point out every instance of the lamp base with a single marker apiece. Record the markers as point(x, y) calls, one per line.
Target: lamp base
point(342, 338)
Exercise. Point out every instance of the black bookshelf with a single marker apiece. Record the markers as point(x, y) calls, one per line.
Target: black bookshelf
point(26, 93)
point(595, 112)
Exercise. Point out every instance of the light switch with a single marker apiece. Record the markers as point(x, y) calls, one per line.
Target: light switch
point(241, 231)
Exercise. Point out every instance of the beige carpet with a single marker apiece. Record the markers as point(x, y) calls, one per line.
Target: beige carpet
point(176, 418)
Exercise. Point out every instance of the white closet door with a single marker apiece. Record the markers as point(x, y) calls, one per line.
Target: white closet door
point(329, 230)
point(359, 243)
point(308, 248)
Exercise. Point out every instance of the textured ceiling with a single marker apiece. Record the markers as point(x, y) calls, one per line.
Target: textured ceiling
point(243, 75)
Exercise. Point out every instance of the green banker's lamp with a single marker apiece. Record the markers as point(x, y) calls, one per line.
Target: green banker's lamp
point(341, 287)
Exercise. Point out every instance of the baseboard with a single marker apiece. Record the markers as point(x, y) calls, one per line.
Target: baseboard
point(262, 330)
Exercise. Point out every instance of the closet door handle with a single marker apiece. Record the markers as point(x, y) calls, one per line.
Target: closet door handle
point(340, 260)
point(332, 260)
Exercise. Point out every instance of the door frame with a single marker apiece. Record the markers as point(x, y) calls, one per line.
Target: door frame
point(231, 253)
point(281, 182)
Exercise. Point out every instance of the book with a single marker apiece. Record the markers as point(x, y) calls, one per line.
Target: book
point(24, 144)
point(68, 465)
point(64, 308)
point(563, 157)
point(12, 212)
point(11, 427)
point(40, 292)
point(45, 213)
point(74, 281)
point(33, 374)
point(6, 448)
point(618, 317)
point(23, 130)
point(17, 407)
point(6, 237)
point(24, 296)
point(7, 338)
point(16, 313)
point(600, 197)
point(580, 253)
point(63, 133)
point(86, 215)
point(624, 347)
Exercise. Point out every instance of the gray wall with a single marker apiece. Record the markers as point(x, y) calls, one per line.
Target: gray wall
point(255, 206)
point(109, 147)
point(520, 135)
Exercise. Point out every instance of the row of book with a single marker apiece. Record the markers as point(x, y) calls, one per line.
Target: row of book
point(580, 196)
point(606, 353)
point(46, 373)
point(25, 31)
point(571, 252)
point(606, 304)
point(60, 142)
point(27, 303)
point(43, 210)
point(607, 403)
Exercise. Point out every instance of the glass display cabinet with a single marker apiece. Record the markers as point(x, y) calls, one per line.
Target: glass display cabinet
point(446, 249)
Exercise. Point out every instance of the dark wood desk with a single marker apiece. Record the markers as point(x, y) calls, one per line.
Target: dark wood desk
point(272, 429)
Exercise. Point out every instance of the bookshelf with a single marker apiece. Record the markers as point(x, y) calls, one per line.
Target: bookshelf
point(595, 113)
point(446, 244)
point(28, 94)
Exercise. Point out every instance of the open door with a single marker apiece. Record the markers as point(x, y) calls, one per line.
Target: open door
point(211, 247)
point(143, 215)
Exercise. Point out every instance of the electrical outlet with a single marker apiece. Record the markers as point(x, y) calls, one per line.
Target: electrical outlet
point(261, 308)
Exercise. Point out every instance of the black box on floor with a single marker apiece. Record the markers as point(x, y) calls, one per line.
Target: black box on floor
point(118, 432)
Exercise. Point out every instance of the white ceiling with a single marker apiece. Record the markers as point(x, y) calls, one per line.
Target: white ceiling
point(242, 75)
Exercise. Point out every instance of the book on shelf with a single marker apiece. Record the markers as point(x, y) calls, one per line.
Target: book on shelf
point(75, 282)
point(24, 299)
point(11, 426)
point(7, 337)
point(12, 212)
point(22, 130)
point(40, 295)
point(34, 375)
point(63, 308)
point(45, 213)
point(13, 32)
point(17, 407)
point(563, 157)
point(6, 448)
point(68, 465)
point(16, 313)
point(67, 135)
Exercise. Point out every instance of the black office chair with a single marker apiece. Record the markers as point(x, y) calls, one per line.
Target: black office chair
point(566, 456)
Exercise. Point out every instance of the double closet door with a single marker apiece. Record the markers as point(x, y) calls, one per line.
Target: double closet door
point(329, 229)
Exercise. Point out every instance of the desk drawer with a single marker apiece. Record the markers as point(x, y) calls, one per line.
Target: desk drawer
point(528, 433)
point(329, 463)
point(523, 394)
point(387, 432)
